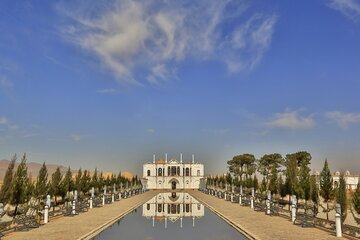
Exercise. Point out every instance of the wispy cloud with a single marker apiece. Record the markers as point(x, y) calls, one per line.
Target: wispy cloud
point(3, 120)
point(146, 40)
point(343, 119)
point(150, 130)
point(107, 90)
point(219, 131)
point(78, 137)
point(349, 8)
point(5, 83)
point(291, 120)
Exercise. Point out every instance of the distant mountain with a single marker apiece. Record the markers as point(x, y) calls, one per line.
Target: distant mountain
point(33, 169)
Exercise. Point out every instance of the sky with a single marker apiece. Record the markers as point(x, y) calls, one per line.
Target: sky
point(107, 84)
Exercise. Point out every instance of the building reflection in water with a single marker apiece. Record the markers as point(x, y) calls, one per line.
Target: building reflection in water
point(172, 206)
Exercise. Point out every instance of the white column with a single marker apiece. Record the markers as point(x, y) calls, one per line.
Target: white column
point(153, 219)
point(166, 222)
point(91, 203)
point(181, 222)
point(181, 158)
point(112, 197)
point(338, 220)
point(240, 195)
point(252, 198)
point(166, 158)
point(103, 200)
point(73, 207)
point(293, 208)
point(268, 202)
point(153, 158)
point(193, 221)
point(46, 214)
point(193, 158)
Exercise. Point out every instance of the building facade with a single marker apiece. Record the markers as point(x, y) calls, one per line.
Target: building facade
point(173, 174)
point(351, 180)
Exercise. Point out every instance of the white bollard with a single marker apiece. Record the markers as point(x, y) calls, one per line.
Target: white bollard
point(153, 218)
point(225, 196)
point(338, 220)
point(119, 196)
point(46, 214)
point(268, 203)
point(73, 212)
point(165, 222)
point(103, 200)
point(293, 208)
point(91, 203)
point(240, 195)
point(252, 198)
point(181, 222)
point(112, 198)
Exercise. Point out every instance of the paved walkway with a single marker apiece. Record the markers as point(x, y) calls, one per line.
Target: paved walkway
point(257, 224)
point(79, 227)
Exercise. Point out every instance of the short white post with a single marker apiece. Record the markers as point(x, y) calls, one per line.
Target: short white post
point(92, 191)
point(252, 198)
point(240, 195)
point(268, 203)
point(73, 212)
point(153, 218)
point(103, 200)
point(46, 214)
point(166, 222)
point(119, 195)
point(293, 208)
point(193, 221)
point(225, 196)
point(112, 198)
point(232, 193)
point(181, 222)
point(338, 220)
point(91, 203)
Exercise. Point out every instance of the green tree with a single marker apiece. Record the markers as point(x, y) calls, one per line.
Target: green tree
point(78, 181)
point(101, 182)
point(326, 186)
point(18, 192)
point(56, 186)
point(291, 172)
point(273, 185)
point(85, 181)
point(242, 165)
point(314, 190)
point(67, 183)
point(356, 199)
point(341, 197)
point(263, 187)
point(41, 186)
point(5, 191)
point(304, 180)
point(281, 187)
point(94, 179)
point(268, 162)
point(255, 183)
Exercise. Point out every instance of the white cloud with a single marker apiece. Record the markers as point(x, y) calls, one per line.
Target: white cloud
point(5, 83)
point(146, 40)
point(3, 120)
point(78, 137)
point(150, 130)
point(220, 131)
point(349, 8)
point(343, 119)
point(291, 120)
point(106, 90)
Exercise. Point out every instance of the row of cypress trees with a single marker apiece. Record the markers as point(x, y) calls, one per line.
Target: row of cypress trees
point(19, 188)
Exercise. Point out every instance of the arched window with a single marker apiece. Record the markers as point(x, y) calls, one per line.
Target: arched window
point(198, 173)
point(187, 207)
point(148, 206)
point(168, 171)
point(187, 172)
point(160, 172)
point(178, 171)
point(148, 172)
point(159, 208)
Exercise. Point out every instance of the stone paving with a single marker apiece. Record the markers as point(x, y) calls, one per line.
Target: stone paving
point(80, 226)
point(257, 224)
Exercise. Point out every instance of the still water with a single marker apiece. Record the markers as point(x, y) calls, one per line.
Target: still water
point(171, 216)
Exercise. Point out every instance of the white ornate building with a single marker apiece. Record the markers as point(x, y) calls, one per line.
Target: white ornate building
point(351, 180)
point(173, 174)
point(173, 207)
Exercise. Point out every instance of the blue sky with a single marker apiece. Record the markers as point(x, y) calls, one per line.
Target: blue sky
point(108, 84)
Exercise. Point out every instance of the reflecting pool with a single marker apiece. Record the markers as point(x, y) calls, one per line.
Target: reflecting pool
point(171, 216)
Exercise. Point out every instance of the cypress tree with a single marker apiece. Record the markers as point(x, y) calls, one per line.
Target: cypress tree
point(85, 181)
point(341, 197)
point(263, 185)
point(41, 186)
point(314, 191)
point(304, 180)
point(291, 175)
point(94, 179)
point(101, 182)
point(78, 181)
point(273, 184)
point(356, 199)
point(56, 184)
point(67, 183)
point(5, 191)
point(18, 189)
point(326, 186)
point(255, 183)
point(281, 187)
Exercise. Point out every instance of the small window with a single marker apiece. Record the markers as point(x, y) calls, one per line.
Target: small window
point(148, 206)
point(160, 172)
point(148, 172)
point(187, 172)
point(198, 173)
